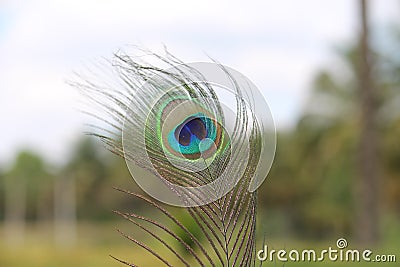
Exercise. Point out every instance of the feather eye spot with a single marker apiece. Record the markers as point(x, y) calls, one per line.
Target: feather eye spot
point(191, 128)
point(179, 126)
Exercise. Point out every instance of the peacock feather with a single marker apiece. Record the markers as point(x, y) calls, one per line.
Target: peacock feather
point(186, 144)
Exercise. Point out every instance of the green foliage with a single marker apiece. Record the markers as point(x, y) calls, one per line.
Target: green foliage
point(31, 171)
point(315, 166)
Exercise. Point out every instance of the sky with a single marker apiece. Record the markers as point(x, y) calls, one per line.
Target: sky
point(279, 45)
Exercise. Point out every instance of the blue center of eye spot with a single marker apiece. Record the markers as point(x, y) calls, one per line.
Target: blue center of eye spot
point(192, 128)
point(188, 137)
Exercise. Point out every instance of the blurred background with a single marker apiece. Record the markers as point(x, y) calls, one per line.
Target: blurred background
point(329, 70)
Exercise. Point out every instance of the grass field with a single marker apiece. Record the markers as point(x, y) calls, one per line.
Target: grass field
point(97, 241)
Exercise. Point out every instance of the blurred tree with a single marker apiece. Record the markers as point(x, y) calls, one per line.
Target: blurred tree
point(2, 192)
point(96, 172)
point(65, 210)
point(25, 187)
point(390, 77)
point(77, 185)
point(367, 220)
point(88, 168)
point(391, 154)
point(327, 158)
point(118, 177)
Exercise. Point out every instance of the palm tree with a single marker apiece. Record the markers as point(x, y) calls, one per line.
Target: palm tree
point(341, 115)
point(368, 183)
